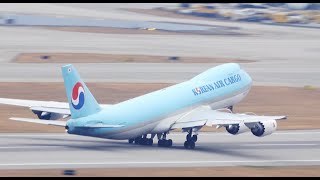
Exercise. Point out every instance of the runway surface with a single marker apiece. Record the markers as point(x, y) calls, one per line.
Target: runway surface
point(288, 59)
point(286, 55)
point(42, 151)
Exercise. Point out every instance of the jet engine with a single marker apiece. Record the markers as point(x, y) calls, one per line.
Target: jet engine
point(47, 115)
point(264, 128)
point(237, 128)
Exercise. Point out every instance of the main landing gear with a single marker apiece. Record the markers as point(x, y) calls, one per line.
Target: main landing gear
point(190, 142)
point(164, 142)
point(142, 140)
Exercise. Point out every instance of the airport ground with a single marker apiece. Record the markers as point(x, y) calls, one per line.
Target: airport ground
point(116, 58)
point(282, 60)
point(297, 171)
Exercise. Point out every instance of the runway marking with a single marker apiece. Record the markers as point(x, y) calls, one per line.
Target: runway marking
point(32, 135)
point(279, 144)
point(25, 147)
point(158, 162)
point(297, 133)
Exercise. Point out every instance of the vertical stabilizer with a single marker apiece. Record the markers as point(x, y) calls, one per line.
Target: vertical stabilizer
point(81, 101)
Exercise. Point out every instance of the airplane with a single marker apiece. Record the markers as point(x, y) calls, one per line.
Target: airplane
point(204, 100)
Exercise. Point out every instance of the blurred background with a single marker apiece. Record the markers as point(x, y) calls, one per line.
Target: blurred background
point(306, 14)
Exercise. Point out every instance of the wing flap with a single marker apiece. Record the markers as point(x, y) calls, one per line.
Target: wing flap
point(188, 124)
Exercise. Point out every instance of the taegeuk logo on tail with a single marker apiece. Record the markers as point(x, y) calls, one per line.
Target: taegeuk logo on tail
point(77, 99)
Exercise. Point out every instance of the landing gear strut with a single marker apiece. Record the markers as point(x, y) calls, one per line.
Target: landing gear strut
point(190, 142)
point(230, 108)
point(164, 142)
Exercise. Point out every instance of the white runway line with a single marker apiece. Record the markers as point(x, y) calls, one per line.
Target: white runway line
point(33, 135)
point(297, 133)
point(278, 144)
point(26, 147)
point(159, 162)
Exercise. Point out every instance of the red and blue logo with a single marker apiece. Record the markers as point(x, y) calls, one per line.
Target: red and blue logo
point(77, 99)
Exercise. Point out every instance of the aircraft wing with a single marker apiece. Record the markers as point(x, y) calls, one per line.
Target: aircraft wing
point(42, 106)
point(206, 116)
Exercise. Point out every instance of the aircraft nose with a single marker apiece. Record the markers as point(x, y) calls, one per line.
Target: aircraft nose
point(247, 77)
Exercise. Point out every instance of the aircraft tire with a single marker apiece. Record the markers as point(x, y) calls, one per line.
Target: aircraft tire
point(150, 142)
point(144, 141)
point(137, 140)
point(189, 144)
point(131, 141)
point(186, 144)
point(165, 143)
point(194, 138)
point(192, 145)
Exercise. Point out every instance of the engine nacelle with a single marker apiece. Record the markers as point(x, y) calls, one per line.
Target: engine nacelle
point(264, 128)
point(47, 115)
point(237, 128)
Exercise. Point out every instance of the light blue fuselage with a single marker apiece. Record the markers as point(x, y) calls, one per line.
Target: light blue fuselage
point(142, 115)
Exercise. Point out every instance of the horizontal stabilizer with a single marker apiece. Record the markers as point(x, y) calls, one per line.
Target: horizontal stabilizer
point(52, 110)
point(47, 122)
point(63, 123)
point(43, 106)
point(32, 103)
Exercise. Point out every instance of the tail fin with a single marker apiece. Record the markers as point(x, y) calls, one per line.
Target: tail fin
point(81, 101)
